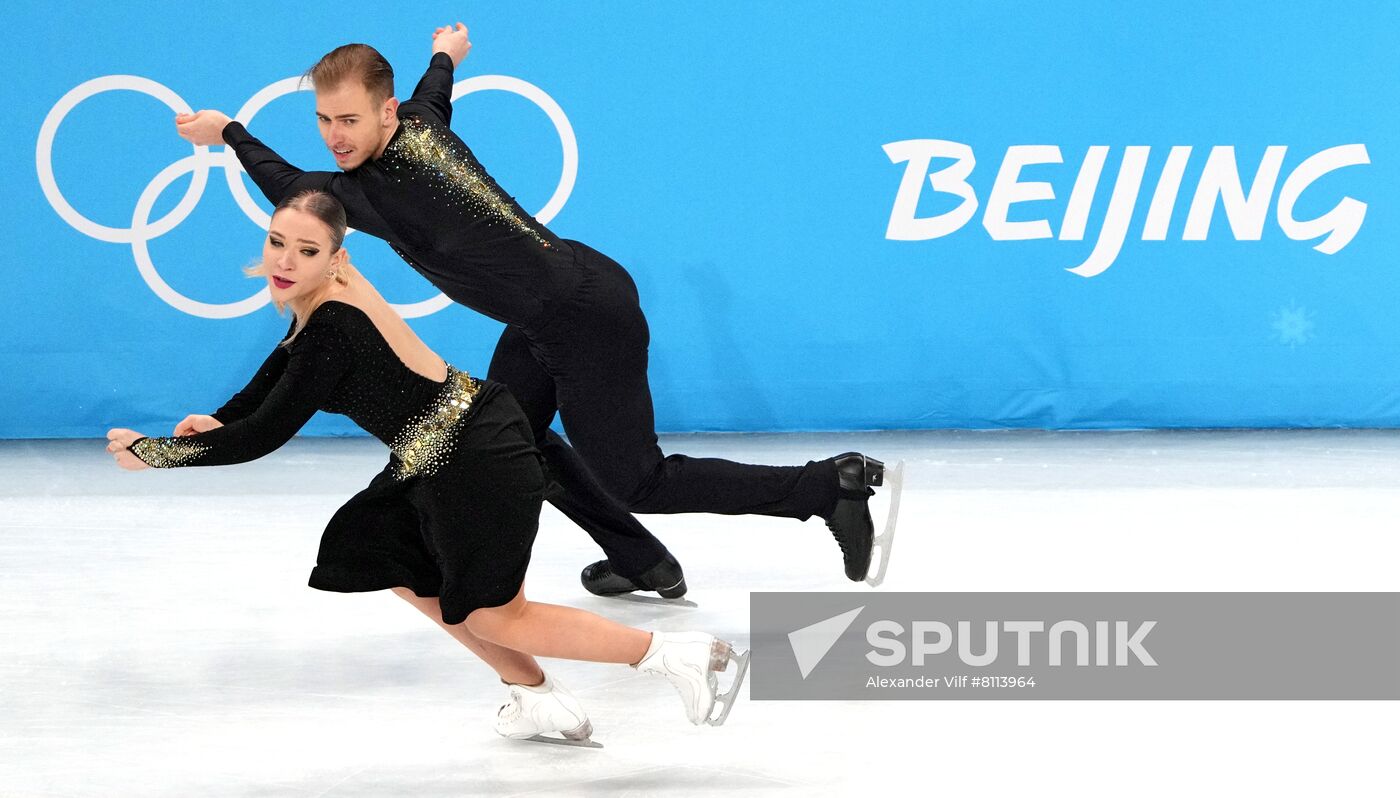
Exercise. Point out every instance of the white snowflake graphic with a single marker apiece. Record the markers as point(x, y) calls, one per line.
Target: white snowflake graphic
point(1293, 325)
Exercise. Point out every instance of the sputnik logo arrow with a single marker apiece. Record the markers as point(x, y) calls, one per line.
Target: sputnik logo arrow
point(811, 643)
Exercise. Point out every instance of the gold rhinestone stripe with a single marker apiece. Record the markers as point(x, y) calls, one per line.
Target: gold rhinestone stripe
point(167, 452)
point(426, 443)
point(461, 182)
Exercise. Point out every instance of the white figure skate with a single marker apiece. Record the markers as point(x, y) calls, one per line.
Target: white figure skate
point(690, 660)
point(548, 708)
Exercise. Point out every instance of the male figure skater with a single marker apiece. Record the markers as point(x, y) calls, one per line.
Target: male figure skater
point(576, 339)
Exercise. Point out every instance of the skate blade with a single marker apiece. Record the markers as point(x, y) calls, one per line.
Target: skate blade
point(725, 701)
point(657, 600)
point(583, 743)
point(894, 480)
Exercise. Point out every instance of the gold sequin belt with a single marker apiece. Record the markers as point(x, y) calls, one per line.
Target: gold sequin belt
point(426, 443)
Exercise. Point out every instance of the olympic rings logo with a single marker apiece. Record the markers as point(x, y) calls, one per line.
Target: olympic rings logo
point(143, 230)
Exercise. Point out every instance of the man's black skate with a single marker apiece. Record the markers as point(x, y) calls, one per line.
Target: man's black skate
point(850, 522)
point(665, 578)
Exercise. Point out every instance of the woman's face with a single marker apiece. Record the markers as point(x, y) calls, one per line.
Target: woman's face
point(297, 255)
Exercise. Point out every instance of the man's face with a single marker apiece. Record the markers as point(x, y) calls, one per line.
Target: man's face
point(353, 124)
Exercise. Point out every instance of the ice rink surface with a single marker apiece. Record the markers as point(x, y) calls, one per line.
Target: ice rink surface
point(158, 636)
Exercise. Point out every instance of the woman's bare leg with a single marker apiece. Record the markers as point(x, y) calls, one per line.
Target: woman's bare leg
point(513, 666)
point(548, 630)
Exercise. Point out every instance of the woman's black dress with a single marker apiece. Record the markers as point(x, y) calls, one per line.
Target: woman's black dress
point(455, 511)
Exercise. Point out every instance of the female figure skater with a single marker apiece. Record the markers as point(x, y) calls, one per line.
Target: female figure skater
point(448, 524)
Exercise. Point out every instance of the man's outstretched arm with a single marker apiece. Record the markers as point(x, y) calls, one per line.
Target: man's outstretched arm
point(275, 177)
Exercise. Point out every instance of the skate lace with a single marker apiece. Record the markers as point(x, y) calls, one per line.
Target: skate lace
point(510, 711)
point(836, 533)
point(863, 494)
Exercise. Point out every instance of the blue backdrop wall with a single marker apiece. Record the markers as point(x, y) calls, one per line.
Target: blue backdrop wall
point(840, 216)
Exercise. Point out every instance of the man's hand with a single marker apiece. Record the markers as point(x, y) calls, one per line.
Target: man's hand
point(193, 424)
point(454, 42)
point(118, 444)
point(202, 127)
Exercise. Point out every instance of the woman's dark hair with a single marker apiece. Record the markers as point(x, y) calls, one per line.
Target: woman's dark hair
point(324, 207)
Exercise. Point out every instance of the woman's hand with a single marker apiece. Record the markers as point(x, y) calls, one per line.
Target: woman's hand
point(194, 424)
point(119, 445)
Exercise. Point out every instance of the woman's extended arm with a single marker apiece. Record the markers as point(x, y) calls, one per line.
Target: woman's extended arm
point(314, 367)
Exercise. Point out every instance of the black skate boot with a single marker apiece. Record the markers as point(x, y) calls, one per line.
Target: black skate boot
point(850, 522)
point(665, 578)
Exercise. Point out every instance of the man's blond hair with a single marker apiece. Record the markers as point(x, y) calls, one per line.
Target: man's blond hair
point(358, 62)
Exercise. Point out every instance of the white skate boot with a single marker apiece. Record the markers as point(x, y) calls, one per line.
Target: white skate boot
point(548, 708)
point(690, 660)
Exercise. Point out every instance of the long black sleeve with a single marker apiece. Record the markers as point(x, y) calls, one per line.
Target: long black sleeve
point(278, 180)
point(275, 177)
point(433, 94)
point(243, 403)
point(315, 364)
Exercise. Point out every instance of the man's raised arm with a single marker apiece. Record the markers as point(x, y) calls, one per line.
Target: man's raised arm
point(434, 90)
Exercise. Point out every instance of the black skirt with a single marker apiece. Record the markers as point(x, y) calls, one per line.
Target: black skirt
point(462, 534)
